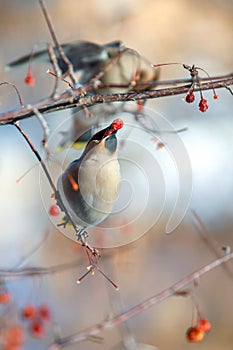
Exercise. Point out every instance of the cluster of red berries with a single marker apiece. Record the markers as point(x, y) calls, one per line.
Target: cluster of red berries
point(14, 335)
point(203, 105)
point(116, 125)
point(196, 333)
point(37, 317)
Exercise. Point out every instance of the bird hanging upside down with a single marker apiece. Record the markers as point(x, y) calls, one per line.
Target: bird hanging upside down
point(89, 186)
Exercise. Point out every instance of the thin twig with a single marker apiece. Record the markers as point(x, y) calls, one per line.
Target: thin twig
point(16, 89)
point(107, 67)
point(37, 271)
point(210, 242)
point(56, 68)
point(56, 42)
point(19, 179)
point(229, 89)
point(65, 101)
point(45, 128)
point(158, 298)
point(34, 150)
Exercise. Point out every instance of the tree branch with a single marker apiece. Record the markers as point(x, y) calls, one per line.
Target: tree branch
point(68, 100)
point(93, 330)
point(37, 271)
point(55, 40)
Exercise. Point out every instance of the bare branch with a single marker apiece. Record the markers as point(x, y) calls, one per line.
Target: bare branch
point(37, 155)
point(56, 68)
point(210, 242)
point(56, 42)
point(16, 89)
point(45, 130)
point(79, 336)
point(65, 100)
point(37, 271)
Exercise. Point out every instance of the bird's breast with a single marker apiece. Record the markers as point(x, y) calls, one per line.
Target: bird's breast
point(99, 183)
point(97, 189)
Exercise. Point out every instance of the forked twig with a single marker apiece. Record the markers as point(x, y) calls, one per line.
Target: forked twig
point(93, 260)
point(210, 241)
point(56, 42)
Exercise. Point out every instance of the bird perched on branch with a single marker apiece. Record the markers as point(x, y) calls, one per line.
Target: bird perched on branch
point(89, 186)
point(117, 64)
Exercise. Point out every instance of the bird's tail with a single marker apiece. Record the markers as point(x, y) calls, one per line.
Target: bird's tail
point(37, 56)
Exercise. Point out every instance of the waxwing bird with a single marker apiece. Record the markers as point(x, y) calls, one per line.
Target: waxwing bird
point(85, 57)
point(89, 186)
point(118, 65)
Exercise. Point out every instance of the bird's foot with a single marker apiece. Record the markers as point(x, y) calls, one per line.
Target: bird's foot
point(81, 234)
point(64, 222)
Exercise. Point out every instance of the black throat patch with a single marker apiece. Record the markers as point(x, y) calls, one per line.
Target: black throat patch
point(111, 143)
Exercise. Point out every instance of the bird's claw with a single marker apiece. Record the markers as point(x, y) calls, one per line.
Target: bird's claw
point(81, 234)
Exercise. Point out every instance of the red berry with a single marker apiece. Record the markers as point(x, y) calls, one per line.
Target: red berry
point(203, 106)
point(215, 96)
point(37, 329)
point(44, 312)
point(15, 335)
point(190, 97)
point(9, 346)
point(30, 80)
point(54, 210)
point(204, 325)
point(195, 334)
point(28, 311)
point(117, 124)
point(5, 297)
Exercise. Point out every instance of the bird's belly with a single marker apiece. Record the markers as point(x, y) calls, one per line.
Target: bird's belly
point(96, 194)
point(100, 192)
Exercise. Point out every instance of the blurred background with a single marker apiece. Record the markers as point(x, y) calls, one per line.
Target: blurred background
point(140, 257)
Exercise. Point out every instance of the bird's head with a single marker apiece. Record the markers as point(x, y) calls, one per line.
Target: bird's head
point(105, 140)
